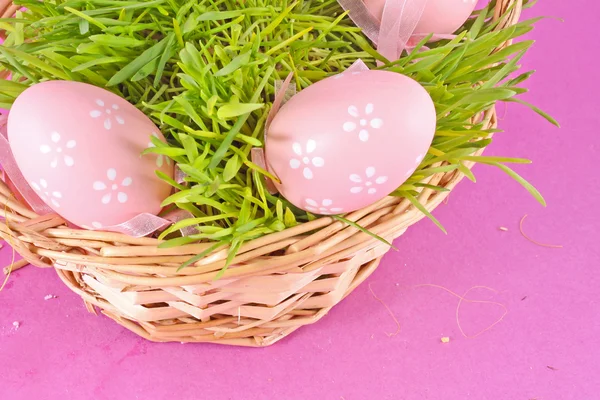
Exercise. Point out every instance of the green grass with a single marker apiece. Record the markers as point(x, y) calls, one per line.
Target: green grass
point(205, 72)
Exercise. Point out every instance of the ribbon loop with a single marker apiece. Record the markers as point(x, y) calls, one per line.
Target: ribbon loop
point(362, 17)
point(283, 92)
point(398, 23)
point(141, 225)
point(12, 171)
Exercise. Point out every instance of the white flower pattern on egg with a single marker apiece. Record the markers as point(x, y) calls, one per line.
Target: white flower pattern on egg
point(108, 114)
point(364, 123)
point(324, 208)
point(113, 187)
point(305, 159)
point(46, 194)
point(367, 182)
point(160, 158)
point(57, 150)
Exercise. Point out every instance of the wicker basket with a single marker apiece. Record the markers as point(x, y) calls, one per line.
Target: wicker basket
point(275, 285)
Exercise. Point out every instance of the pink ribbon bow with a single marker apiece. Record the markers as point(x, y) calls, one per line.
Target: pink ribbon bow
point(398, 23)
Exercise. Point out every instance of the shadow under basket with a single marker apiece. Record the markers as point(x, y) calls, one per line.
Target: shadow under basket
point(275, 284)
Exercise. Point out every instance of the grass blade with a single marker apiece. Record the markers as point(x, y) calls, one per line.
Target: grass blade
point(415, 202)
point(363, 229)
point(530, 188)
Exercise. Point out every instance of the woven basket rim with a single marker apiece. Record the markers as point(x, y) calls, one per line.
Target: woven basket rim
point(109, 269)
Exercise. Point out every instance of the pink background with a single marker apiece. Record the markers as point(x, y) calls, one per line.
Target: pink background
point(62, 352)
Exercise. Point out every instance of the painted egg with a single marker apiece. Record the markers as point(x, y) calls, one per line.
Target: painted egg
point(349, 140)
point(439, 16)
point(79, 147)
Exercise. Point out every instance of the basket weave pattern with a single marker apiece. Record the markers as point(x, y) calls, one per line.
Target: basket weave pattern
point(275, 284)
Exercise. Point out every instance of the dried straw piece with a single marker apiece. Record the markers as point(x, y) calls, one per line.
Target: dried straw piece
point(463, 298)
point(553, 246)
point(389, 312)
point(17, 265)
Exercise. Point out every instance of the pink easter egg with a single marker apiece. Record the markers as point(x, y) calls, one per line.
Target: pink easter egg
point(439, 16)
point(349, 140)
point(79, 147)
